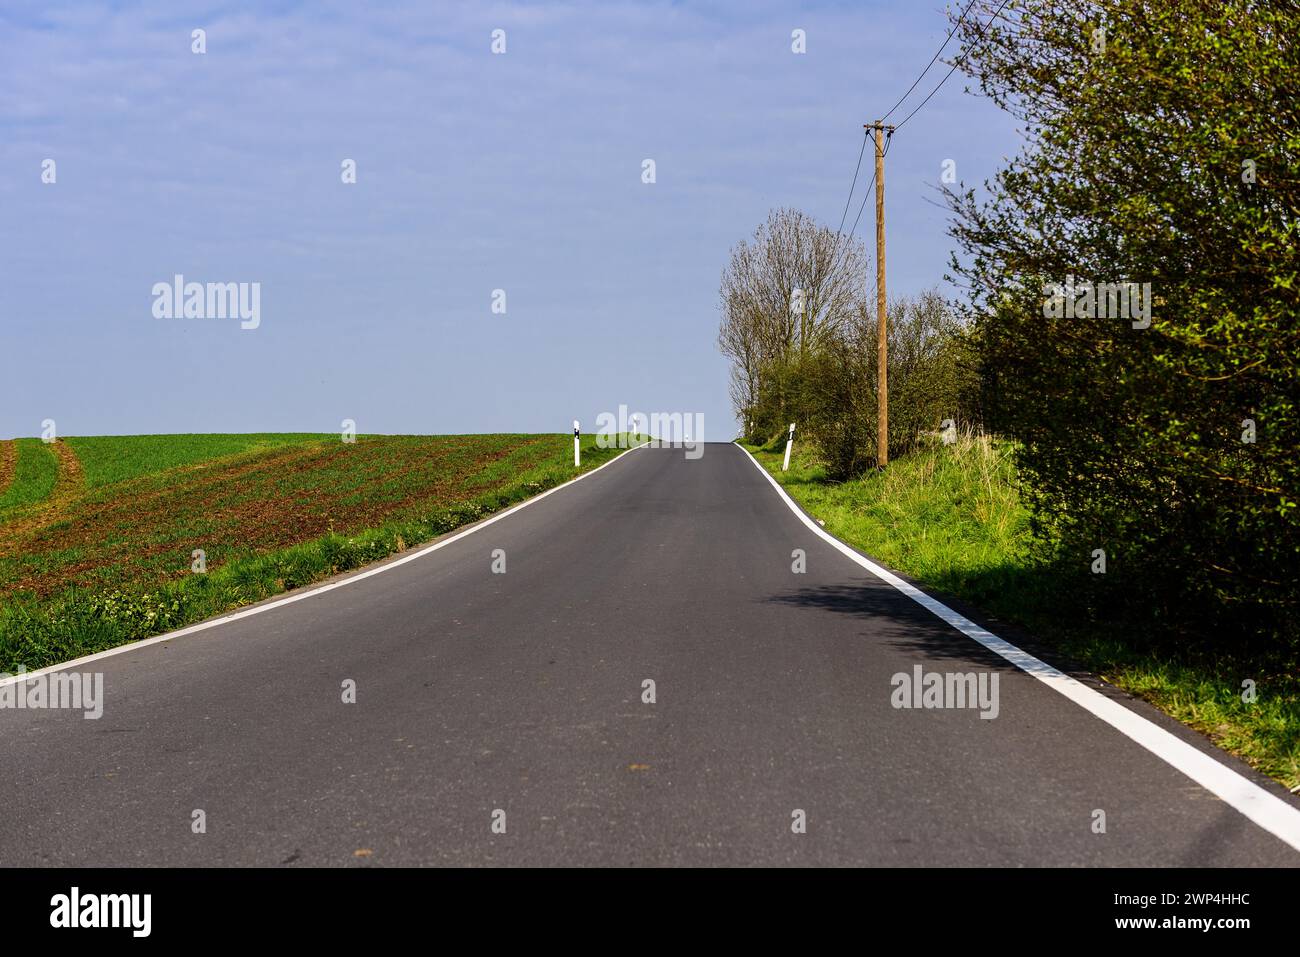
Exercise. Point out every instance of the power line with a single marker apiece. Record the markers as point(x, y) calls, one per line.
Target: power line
point(959, 22)
point(862, 152)
point(889, 140)
point(865, 196)
point(890, 137)
point(835, 244)
point(956, 64)
point(835, 247)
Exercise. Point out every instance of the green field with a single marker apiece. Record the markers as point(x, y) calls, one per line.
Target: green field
point(33, 478)
point(951, 517)
point(106, 459)
point(98, 534)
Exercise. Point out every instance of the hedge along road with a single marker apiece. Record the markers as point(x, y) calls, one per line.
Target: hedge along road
point(502, 717)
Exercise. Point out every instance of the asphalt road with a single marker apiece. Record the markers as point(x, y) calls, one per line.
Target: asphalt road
point(522, 692)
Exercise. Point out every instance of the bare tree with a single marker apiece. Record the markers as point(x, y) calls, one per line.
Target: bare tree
point(788, 288)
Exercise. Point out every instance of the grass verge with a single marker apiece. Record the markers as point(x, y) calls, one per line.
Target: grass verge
point(951, 517)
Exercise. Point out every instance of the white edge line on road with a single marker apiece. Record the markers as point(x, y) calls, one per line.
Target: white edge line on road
point(318, 590)
point(1267, 810)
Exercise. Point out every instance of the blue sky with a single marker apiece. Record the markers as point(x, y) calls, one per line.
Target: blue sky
point(475, 172)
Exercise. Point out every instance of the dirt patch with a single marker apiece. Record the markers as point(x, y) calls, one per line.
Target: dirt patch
point(71, 482)
point(8, 461)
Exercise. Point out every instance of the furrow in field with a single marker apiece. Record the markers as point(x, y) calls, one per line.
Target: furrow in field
point(8, 458)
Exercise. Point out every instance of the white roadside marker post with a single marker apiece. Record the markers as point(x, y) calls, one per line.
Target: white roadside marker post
point(577, 458)
point(788, 442)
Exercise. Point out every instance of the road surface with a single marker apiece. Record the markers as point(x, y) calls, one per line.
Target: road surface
point(479, 693)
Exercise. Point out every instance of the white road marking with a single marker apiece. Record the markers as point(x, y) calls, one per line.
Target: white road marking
point(318, 590)
point(1267, 810)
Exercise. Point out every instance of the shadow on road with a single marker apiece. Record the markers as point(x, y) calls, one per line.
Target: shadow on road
point(895, 619)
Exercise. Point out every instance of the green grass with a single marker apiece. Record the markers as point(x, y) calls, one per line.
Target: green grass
point(948, 515)
point(952, 517)
point(106, 459)
point(34, 476)
point(114, 564)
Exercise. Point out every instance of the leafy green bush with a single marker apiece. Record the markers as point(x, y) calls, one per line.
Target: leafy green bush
point(830, 391)
point(1164, 148)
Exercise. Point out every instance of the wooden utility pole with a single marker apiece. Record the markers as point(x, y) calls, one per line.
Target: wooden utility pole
point(882, 323)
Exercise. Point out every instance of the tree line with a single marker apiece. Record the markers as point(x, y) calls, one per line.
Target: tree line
point(799, 326)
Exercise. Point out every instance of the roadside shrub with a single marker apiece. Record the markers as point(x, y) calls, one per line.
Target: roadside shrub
point(929, 376)
point(1165, 436)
